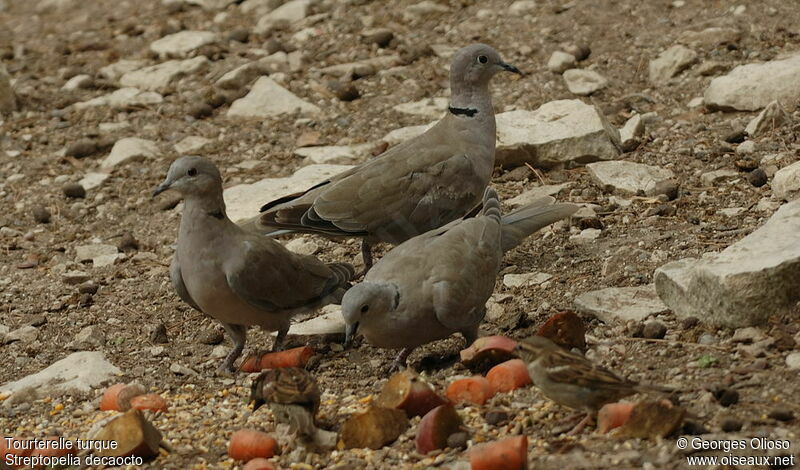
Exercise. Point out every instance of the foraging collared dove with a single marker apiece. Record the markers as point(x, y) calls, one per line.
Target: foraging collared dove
point(240, 278)
point(437, 283)
point(293, 396)
point(419, 185)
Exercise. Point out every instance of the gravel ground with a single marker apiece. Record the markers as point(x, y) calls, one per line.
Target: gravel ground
point(42, 47)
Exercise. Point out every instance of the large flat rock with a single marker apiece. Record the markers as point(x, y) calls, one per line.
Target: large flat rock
point(627, 177)
point(621, 303)
point(268, 99)
point(563, 132)
point(182, 43)
point(753, 86)
point(744, 284)
point(76, 374)
point(157, 77)
point(243, 201)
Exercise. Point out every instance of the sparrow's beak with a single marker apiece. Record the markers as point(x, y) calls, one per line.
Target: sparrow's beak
point(510, 68)
point(255, 404)
point(349, 333)
point(161, 188)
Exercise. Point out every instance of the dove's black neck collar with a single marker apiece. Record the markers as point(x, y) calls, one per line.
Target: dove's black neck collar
point(469, 112)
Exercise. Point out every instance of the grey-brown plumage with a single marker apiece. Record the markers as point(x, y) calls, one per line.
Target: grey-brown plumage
point(293, 396)
point(239, 278)
point(571, 380)
point(419, 185)
point(437, 283)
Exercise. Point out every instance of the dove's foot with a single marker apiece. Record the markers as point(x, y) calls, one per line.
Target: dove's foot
point(277, 345)
point(238, 334)
point(400, 361)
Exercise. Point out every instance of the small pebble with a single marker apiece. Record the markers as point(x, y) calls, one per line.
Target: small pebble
point(159, 334)
point(200, 110)
point(669, 188)
point(88, 287)
point(781, 414)
point(210, 336)
point(590, 222)
point(735, 137)
point(239, 35)
point(654, 330)
point(457, 440)
point(693, 428)
point(580, 51)
point(74, 190)
point(496, 417)
point(757, 177)
point(128, 242)
point(381, 37)
point(727, 397)
point(731, 425)
point(344, 91)
point(690, 322)
point(41, 215)
point(82, 148)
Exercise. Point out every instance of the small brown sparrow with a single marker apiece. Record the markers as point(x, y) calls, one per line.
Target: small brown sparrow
point(571, 380)
point(293, 396)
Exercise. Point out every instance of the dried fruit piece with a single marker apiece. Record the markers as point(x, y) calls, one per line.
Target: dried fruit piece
point(510, 453)
point(488, 351)
point(652, 419)
point(435, 427)
point(475, 390)
point(150, 401)
point(406, 391)
point(295, 357)
point(374, 428)
point(509, 375)
point(249, 444)
point(118, 397)
point(134, 435)
point(566, 330)
point(613, 415)
point(259, 464)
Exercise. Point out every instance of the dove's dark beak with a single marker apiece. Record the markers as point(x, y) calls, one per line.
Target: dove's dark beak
point(510, 68)
point(161, 188)
point(349, 333)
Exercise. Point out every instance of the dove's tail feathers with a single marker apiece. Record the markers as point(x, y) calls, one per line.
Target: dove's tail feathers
point(344, 272)
point(523, 222)
point(491, 205)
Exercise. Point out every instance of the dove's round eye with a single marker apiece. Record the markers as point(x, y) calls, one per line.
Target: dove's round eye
point(192, 171)
point(483, 59)
point(364, 309)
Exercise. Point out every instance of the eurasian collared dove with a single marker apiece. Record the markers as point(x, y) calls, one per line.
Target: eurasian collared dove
point(237, 277)
point(419, 185)
point(437, 283)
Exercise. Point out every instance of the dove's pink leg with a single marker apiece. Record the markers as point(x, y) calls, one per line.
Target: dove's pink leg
point(238, 334)
point(277, 345)
point(366, 255)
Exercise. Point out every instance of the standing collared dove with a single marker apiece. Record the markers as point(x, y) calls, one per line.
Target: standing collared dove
point(237, 277)
point(419, 185)
point(437, 283)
